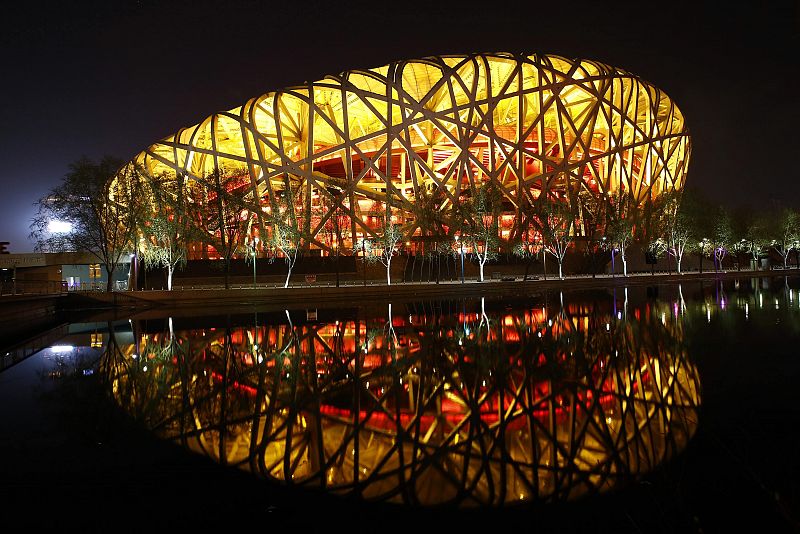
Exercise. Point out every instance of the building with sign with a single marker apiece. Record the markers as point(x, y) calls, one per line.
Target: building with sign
point(53, 272)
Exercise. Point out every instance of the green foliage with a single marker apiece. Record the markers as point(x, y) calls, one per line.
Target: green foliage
point(170, 226)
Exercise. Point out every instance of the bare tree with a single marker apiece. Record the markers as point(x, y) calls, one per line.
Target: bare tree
point(383, 247)
point(528, 248)
point(169, 228)
point(480, 219)
point(722, 236)
point(230, 216)
point(621, 226)
point(286, 235)
point(756, 238)
point(679, 230)
point(785, 233)
point(100, 212)
point(557, 222)
point(335, 225)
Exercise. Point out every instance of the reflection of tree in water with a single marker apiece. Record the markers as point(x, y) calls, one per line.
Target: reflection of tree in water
point(467, 406)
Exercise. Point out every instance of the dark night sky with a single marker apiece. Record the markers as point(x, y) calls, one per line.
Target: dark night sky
point(111, 77)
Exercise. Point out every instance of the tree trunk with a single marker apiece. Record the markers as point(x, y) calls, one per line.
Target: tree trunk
point(389, 272)
point(480, 265)
point(560, 274)
point(288, 274)
point(170, 270)
point(109, 273)
point(544, 261)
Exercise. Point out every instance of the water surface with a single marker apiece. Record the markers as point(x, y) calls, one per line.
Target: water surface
point(666, 408)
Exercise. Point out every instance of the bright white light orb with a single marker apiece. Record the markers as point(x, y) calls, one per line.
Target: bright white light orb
point(59, 227)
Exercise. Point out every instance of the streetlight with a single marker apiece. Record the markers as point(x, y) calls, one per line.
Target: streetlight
point(336, 252)
point(253, 245)
point(56, 226)
point(460, 244)
point(613, 268)
point(702, 245)
point(364, 258)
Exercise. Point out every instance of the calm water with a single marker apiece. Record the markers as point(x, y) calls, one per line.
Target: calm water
point(668, 408)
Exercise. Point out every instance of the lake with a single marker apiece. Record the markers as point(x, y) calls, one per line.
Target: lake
point(648, 408)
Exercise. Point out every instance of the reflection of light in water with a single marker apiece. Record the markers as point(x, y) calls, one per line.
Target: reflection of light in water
point(431, 407)
point(60, 349)
point(746, 311)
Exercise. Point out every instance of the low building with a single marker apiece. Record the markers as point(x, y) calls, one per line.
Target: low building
point(55, 272)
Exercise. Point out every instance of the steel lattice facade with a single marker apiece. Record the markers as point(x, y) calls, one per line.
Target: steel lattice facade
point(426, 132)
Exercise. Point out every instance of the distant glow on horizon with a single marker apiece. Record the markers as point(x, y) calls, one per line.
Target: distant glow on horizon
point(59, 227)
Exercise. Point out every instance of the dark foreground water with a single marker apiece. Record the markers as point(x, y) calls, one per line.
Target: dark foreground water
point(660, 409)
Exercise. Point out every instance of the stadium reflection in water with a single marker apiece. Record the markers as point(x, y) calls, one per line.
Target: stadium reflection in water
point(457, 403)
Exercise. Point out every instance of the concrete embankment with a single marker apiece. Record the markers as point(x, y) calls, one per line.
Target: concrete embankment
point(24, 314)
point(352, 295)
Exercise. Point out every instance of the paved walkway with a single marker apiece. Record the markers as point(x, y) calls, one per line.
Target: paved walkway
point(306, 294)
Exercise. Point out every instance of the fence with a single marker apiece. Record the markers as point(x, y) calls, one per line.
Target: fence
point(51, 287)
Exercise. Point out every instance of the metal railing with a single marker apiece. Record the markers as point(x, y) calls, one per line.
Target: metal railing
point(53, 287)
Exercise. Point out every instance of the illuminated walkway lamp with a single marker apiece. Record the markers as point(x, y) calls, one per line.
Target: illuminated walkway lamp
point(460, 245)
point(253, 250)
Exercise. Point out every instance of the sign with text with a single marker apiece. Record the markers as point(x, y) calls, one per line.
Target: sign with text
point(22, 260)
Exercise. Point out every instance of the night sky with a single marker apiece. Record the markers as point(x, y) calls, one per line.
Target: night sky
point(111, 77)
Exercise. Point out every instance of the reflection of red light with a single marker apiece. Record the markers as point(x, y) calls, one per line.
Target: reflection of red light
point(511, 336)
point(249, 390)
point(452, 412)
